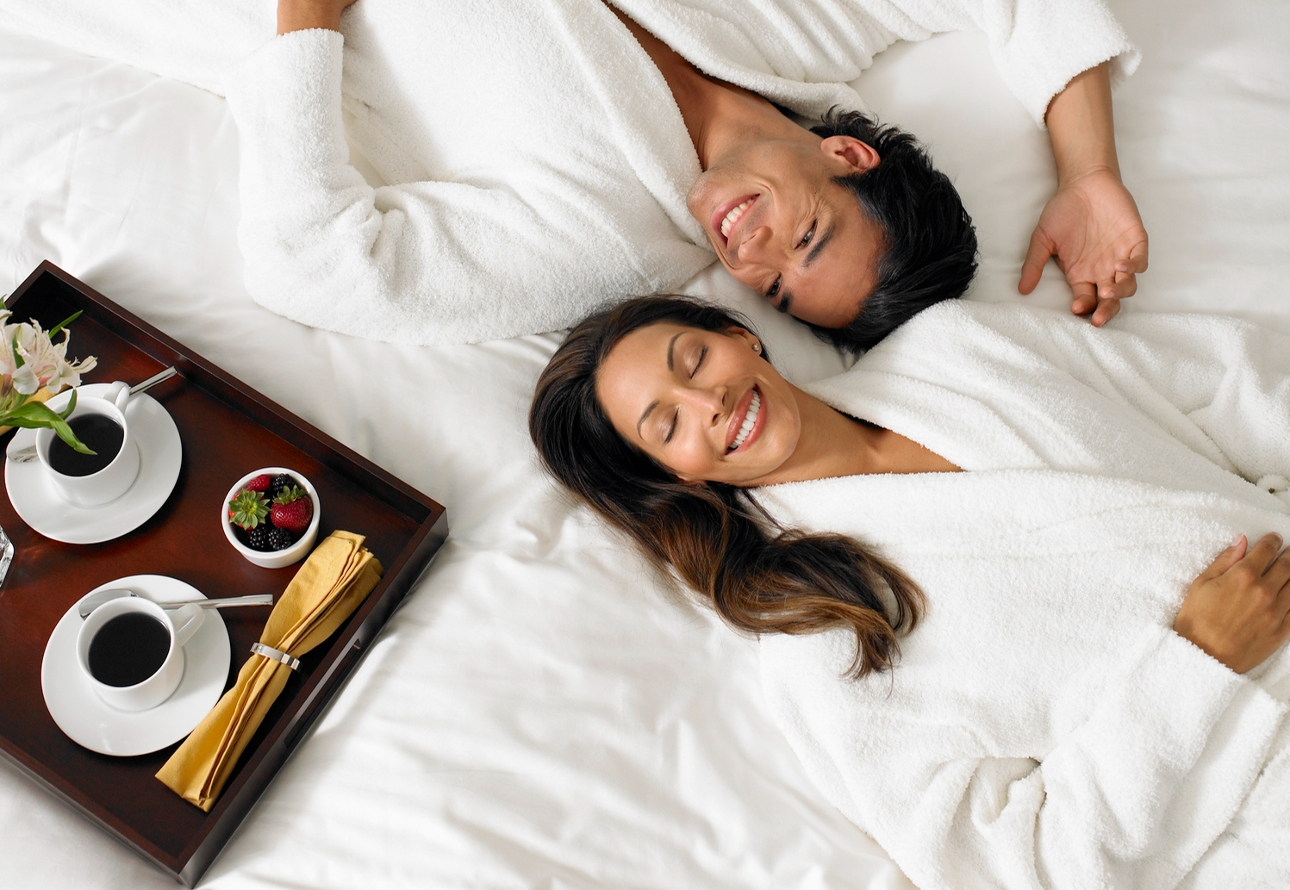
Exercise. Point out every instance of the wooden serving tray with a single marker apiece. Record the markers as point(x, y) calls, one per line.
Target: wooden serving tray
point(227, 430)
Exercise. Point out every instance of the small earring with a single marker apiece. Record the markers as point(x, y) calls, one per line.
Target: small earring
point(757, 348)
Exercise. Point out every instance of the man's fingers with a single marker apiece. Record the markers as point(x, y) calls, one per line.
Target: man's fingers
point(1125, 285)
point(1106, 310)
point(1137, 261)
point(1036, 257)
point(1084, 300)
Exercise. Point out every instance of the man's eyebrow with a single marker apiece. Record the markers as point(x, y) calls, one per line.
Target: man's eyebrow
point(819, 245)
point(811, 257)
point(671, 364)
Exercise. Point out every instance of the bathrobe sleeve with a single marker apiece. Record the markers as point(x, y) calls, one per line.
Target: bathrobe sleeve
point(421, 262)
point(1037, 45)
point(1131, 796)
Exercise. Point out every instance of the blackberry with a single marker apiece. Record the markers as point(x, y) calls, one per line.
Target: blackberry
point(281, 483)
point(259, 537)
point(280, 539)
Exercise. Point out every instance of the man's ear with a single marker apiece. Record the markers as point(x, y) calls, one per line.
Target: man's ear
point(851, 153)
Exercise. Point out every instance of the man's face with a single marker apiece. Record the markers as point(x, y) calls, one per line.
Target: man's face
point(782, 226)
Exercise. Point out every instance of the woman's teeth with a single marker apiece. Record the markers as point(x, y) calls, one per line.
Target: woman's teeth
point(728, 222)
point(749, 420)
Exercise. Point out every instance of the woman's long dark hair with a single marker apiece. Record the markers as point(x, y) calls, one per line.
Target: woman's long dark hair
point(759, 578)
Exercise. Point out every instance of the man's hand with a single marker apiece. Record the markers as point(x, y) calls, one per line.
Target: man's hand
point(1237, 609)
point(301, 15)
point(1091, 225)
point(1093, 229)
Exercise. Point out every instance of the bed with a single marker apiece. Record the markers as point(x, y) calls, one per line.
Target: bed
point(546, 710)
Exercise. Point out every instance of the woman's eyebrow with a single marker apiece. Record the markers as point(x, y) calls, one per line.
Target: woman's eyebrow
point(640, 423)
point(671, 348)
point(671, 365)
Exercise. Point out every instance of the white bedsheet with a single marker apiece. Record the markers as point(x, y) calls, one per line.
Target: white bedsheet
point(544, 712)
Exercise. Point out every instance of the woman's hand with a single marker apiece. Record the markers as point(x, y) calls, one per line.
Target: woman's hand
point(1236, 610)
point(300, 15)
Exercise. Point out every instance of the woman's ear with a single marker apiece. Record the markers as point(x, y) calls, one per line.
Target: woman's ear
point(754, 343)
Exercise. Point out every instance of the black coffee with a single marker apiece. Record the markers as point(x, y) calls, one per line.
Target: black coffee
point(128, 649)
point(100, 434)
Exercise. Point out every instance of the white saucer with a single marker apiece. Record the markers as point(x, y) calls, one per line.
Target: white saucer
point(160, 453)
point(90, 722)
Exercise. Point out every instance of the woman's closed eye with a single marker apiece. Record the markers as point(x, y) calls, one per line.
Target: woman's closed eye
point(703, 353)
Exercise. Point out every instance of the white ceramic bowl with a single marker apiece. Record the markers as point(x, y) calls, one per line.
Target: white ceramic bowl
point(275, 559)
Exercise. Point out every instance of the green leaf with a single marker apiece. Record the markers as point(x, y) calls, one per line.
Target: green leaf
point(35, 415)
point(71, 406)
point(64, 323)
point(13, 347)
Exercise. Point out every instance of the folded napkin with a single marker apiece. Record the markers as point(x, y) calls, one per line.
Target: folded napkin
point(336, 577)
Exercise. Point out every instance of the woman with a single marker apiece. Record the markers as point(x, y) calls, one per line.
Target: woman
point(1025, 674)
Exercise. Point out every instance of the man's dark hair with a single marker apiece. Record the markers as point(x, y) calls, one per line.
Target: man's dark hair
point(930, 252)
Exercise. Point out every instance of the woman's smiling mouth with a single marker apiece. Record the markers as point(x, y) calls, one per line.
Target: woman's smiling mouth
point(751, 414)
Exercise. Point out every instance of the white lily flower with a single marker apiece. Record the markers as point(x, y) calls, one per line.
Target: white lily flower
point(46, 362)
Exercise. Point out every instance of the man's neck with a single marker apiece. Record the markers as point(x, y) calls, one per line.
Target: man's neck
point(717, 114)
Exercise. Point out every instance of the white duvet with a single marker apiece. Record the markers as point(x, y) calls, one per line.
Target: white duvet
point(543, 712)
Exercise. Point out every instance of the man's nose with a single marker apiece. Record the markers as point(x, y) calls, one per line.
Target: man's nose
point(756, 248)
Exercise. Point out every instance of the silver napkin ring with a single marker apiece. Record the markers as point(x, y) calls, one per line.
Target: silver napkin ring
point(275, 655)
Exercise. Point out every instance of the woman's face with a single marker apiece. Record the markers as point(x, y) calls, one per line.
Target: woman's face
point(704, 404)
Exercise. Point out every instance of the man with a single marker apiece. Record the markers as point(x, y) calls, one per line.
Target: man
point(547, 155)
point(778, 203)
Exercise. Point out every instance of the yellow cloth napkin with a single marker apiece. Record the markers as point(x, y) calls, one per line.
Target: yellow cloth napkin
point(336, 577)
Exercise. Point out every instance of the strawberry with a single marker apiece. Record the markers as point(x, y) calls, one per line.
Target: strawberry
point(260, 483)
point(292, 510)
point(248, 509)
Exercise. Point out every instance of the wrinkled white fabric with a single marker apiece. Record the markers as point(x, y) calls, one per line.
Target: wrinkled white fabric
point(1045, 726)
point(538, 165)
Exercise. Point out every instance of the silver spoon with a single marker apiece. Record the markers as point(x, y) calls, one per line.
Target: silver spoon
point(90, 603)
point(28, 454)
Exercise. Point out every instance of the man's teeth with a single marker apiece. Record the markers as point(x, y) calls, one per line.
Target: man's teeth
point(749, 420)
point(732, 217)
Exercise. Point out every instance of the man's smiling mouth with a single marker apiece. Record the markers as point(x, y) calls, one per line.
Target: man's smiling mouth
point(726, 216)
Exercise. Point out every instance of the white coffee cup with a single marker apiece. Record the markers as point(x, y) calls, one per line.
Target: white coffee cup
point(180, 625)
point(111, 481)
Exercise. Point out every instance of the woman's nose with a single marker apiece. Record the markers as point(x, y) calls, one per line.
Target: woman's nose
point(710, 402)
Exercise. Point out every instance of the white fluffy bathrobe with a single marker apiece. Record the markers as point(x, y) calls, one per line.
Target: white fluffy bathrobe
point(538, 164)
point(1045, 727)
